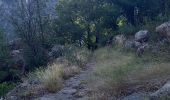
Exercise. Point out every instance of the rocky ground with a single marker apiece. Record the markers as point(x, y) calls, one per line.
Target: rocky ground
point(75, 88)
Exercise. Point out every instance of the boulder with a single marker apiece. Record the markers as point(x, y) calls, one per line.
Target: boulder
point(15, 44)
point(141, 49)
point(56, 51)
point(119, 40)
point(129, 44)
point(162, 93)
point(164, 30)
point(137, 44)
point(142, 36)
point(18, 59)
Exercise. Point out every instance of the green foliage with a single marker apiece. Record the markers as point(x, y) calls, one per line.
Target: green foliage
point(86, 20)
point(128, 29)
point(35, 56)
point(95, 21)
point(3, 75)
point(4, 54)
point(5, 88)
point(4, 58)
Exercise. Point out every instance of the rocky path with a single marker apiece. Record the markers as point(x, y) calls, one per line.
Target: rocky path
point(75, 88)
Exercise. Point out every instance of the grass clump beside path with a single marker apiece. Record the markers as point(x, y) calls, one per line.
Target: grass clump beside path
point(68, 65)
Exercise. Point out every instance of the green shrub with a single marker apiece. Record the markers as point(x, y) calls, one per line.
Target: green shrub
point(53, 76)
point(5, 88)
point(4, 54)
point(3, 75)
point(62, 68)
point(128, 29)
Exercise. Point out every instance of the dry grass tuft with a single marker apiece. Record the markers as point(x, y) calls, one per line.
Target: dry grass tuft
point(71, 71)
point(54, 74)
point(51, 77)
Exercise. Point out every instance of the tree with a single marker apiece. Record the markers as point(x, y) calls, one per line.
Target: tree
point(86, 20)
point(32, 25)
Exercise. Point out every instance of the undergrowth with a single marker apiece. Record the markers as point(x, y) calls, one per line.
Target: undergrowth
point(119, 73)
point(52, 76)
point(5, 88)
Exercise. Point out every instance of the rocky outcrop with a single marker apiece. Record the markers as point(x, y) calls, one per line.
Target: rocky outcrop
point(142, 36)
point(119, 40)
point(164, 30)
point(18, 60)
point(140, 50)
point(129, 44)
point(162, 93)
point(140, 43)
point(17, 56)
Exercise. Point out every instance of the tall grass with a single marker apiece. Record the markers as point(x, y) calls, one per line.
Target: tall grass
point(119, 73)
point(54, 74)
point(51, 77)
point(76, 56)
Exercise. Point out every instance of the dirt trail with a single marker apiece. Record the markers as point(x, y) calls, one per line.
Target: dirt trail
point(75, 88)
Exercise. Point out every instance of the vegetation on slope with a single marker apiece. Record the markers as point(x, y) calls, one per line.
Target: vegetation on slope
point(86, 23)
point(50, 79)
point(119, 73)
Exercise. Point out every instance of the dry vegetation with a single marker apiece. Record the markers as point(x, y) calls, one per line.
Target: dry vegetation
point(121, 73)
point(53, 76)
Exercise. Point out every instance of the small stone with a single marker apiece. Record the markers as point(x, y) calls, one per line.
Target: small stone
point(80, 94)
point(13, 98)
point(69, 91)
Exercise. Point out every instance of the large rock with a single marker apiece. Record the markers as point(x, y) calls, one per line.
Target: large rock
point(132, 44)
point(56, 52)
point(162, 93)
point(18, 59)
point(119, 40)
point(129, 44)
point(142, 36)
point(141, 49)
point(164, 30)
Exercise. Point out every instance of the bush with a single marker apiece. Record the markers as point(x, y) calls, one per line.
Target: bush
point(3, 75)
point(5, 88)
point(4, 54)
point(53, 76)
point(4, 57)
point(128, 29)
point(35, 56)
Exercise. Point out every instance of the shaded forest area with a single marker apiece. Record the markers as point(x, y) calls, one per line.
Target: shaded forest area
point(40, 31)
